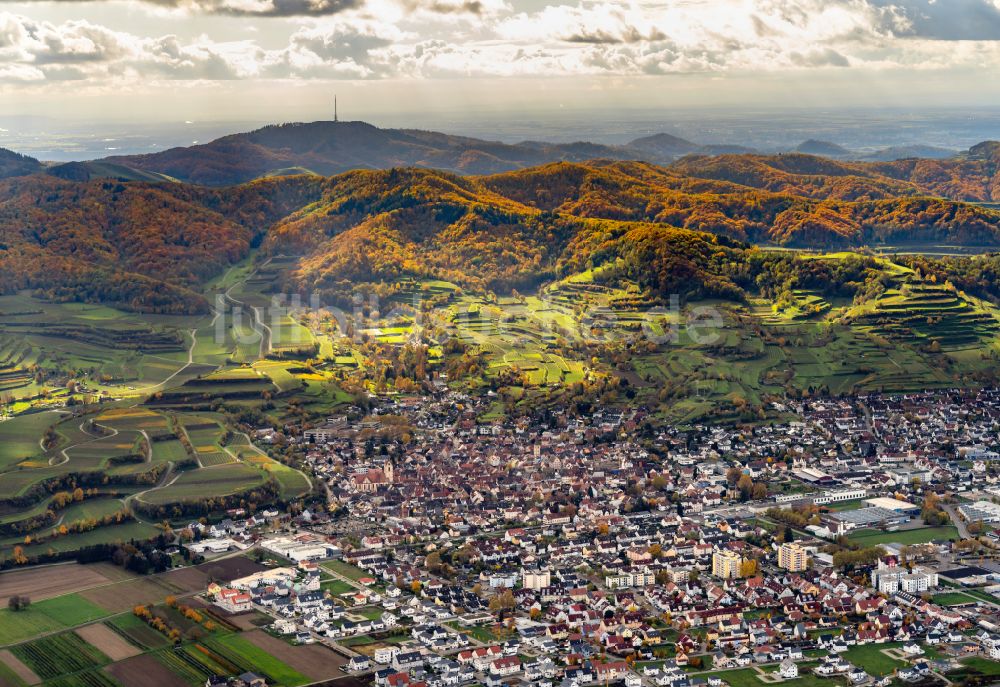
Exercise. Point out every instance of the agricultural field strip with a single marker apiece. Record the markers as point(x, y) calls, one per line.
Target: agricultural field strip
point(270, 460)
point(110, 615)
point(114, 432)
point(64, 453)
point(255, 321)
point(193, 333)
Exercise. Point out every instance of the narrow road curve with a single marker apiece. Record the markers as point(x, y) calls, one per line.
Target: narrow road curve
point(256, 321)
point(236, 457)
point(160, 485)
point(193, 333)
point(149, 446)
point(265, 332)
point(53, 461)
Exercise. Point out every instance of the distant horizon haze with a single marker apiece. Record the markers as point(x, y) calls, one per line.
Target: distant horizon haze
point(443, 64)
point(61, 139)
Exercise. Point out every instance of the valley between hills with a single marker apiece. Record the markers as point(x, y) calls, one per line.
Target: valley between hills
point(139, 337)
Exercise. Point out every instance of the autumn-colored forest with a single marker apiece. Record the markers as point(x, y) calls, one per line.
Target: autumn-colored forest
point(684, 228)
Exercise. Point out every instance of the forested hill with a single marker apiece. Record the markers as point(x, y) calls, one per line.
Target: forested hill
point(152, 246)
point(15, 165)
point(327, 148)
point(972, 176)
point(815, 169)
point(334, 147)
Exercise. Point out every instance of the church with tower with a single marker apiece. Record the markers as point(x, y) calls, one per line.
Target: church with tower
point(371, 479)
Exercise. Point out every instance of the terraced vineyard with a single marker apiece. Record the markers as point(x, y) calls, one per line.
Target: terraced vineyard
point(763, 351)
point(232, 384)
point(15, 358)
point(921, 314)
point(217, 480)
point(120, 457)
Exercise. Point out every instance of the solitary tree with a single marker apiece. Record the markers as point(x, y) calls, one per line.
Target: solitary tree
point(18, 603)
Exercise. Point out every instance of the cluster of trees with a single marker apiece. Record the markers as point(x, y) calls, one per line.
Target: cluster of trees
point(744, 485)
point(158, 623)
point(799, 515)
point(14, 164)
point(502, 603)
point(143, 560)
point(931, 512)
point(473, 245)
point(119, 554)
point(975, 177)
point(858, 557)
point(132, 245)
point(18, 602)
point(799, 175)
point(978, 275)
point(189, 613)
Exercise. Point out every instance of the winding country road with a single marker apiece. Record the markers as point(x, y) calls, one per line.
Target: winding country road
point(65, 456)
point(193, 333)
point(256, 321)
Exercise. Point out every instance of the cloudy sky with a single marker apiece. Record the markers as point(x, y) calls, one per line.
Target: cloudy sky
point(283, 59)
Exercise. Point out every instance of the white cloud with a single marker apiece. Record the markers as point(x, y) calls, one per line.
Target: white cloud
point(374, 39)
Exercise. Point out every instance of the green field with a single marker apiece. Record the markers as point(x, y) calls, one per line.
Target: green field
point(748, 677)
point(954, 599)
point(337, 587)
point(916, 536)
point(91, 509)
point(346, 569)
point(872, 660)
point(261, 661)
point(983, 670)
point(291, 481)
point(47, 616)
point(19, 437)
point(112, 534)
point(219, 480)
point(364, 640)
point(137, 632)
